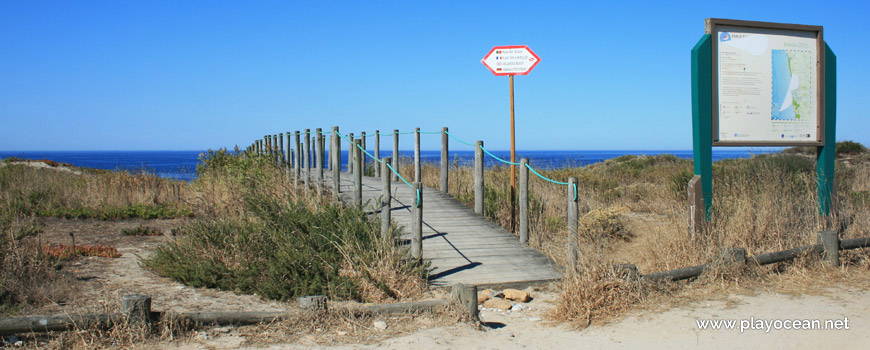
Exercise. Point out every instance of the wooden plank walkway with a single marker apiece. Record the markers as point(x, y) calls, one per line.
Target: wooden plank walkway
point(463, 247)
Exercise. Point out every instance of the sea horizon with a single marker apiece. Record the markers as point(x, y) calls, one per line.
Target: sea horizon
point(181, 164)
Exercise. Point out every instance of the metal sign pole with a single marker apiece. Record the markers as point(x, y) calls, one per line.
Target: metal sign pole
point(513, 160)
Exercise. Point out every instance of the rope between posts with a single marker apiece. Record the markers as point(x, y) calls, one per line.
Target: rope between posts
point(497, 158)
point(458, 140)
point(430, 132)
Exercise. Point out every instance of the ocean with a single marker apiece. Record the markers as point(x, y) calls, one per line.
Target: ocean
point(181, 165)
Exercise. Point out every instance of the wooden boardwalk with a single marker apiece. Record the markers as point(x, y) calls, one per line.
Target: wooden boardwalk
point(463, 247)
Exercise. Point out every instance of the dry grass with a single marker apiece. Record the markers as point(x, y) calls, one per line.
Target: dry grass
point(634, 210)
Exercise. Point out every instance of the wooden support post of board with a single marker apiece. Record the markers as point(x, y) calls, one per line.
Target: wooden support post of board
point(697, 221)
point(378, 152)
point(830, 241)
point(573, 223)
point(137, 309)
point(350, 152)
point(478, 178)
point(524, 200)
point(444, 160)
point(307, 160)
point(319, 163)
point(417, 223)
point(386, 200)
point(336, 162)
point(417, 171)
point(362, 139)
point(466, 296)
point(357, 173)
point(297, 165)
point(396, 154)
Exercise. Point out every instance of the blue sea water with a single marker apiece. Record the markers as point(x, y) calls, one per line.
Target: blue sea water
point(181, 165)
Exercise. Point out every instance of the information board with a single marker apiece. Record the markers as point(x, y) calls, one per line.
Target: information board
point(767, 79)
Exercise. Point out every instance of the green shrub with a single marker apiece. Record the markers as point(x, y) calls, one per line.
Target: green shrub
point(850, 147)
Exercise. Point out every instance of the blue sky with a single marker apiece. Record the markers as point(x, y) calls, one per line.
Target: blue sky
point(190, 75)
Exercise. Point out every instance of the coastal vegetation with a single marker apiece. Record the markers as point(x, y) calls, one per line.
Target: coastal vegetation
point(250, 229)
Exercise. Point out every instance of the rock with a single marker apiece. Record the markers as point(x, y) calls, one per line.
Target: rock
point(314, 302)
point(226, 329)
point(482, 298)
point(380, 325)
point(497, 303)
point(492, 293)
point(517, 295)
point(534, 319)
point(519, 307)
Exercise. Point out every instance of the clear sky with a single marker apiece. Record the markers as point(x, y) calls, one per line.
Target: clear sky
point(190, 75)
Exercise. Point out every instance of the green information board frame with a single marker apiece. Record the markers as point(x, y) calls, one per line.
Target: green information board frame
point(703, 92)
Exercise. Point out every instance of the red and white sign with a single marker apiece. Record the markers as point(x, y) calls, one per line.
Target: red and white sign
point(510, 60)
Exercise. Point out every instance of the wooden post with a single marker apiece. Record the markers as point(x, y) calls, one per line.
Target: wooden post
point(137, 309)
point(268, 141)
point(363, 145)
point(350, 152)
point(297, 165)
point(386, 200)
point(830, 240)
point(573, 223)
point(417, 223)
point(281, 149)
point(336, 163)
point(444, 161)
point(319, 154)
point(275, 150)
point(307, 160)
point(417, 170)
point(288, 155)
point(697, 219)
point(357, 173)
point(524, 201)
point(396, 154)
point(466, 296)
point(478, 178)
point(378, 152)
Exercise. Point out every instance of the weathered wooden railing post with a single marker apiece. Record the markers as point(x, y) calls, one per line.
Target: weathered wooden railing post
point(297, 165)
point(396, 154)
point(357, 173)
point(336, 162)
point(288, 157)
point(417, 223)
point(319, 161)
point(307, 156)
point(378, 152)
point(444, 161)
point(386, 199)
point(524, 200)
point(281, 149)
point(417, 171)
point(830, 241)
point(268, 141)
point(362, 139)
point(573, 222)
point(275, 150)
point(350, 152)
point(137, 309)
point(466, 295)
point(478, 178)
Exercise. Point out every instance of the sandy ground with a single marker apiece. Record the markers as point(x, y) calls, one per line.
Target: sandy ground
point(106, 280)
point(675, 328)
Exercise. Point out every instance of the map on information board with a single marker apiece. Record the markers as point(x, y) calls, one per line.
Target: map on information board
point(767, 85)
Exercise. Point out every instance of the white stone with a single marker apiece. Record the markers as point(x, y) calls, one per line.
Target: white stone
point(381, 325)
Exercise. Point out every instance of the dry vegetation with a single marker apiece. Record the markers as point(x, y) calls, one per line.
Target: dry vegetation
point(253, 232)
point(634, 210)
